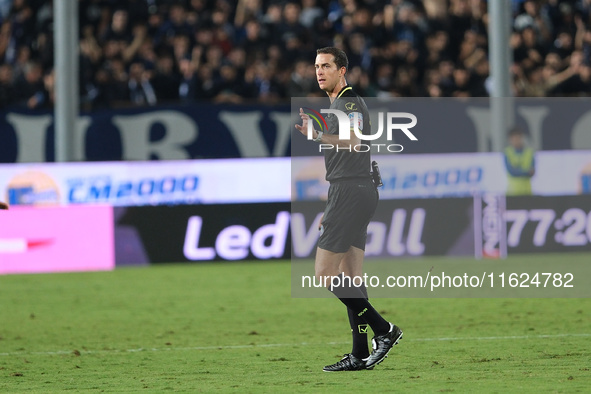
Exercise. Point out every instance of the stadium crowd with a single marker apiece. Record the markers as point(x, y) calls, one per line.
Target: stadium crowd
point(147, 52)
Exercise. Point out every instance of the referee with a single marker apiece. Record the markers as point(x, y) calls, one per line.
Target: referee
point(352, 201)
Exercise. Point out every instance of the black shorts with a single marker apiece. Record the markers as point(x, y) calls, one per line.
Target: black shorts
point(351, 205)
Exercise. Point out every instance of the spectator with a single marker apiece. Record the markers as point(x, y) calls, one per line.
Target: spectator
point(141, 91)
point(8, 45)
point(360, 82)
point(310, 14)
point(49, 89)
point(535, 16)
point(254, 42)
point(119, 28)
point(176, 24)
point(23, 22)
point(436, 48)
point(247, 10)
point(29, 88)
point(214, 56)
point(223, 32)
point(272, 20)
point(5, 6)
point(291, 28)
point(165, 81)
point(458, 22)
point(191, 86)
point(6, 88)
point(228, 88)
point(300, 84)
point(359, 54)
point(267, 89)
point(237, 58)
point(116, 87)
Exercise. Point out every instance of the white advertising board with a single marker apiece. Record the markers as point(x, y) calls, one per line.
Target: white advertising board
point(146, 183)
point(453, 175)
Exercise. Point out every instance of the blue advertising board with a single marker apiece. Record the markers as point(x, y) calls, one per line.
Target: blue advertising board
point(157, 133)
point(207, 130)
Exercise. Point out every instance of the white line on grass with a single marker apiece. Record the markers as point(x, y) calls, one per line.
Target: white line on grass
point(267, 345)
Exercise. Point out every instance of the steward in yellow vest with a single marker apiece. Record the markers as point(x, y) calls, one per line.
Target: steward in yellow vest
point(520, 164)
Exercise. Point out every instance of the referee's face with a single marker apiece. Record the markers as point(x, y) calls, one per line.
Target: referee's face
point(327, 72)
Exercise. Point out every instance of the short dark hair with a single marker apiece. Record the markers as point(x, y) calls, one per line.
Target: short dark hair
point(516, 131)
point(340, 57)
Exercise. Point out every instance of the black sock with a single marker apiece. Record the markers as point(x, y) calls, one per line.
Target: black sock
point(354, 299)
point(359, 331)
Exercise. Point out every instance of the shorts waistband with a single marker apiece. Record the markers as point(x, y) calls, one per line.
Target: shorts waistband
point(352, 179)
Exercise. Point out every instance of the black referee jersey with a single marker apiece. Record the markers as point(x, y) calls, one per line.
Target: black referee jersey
point(342, 163)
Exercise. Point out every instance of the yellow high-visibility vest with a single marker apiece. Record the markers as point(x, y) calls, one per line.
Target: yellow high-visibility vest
point(523, 160)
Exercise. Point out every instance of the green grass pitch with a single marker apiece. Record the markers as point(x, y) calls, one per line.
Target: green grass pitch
point(233, 327)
